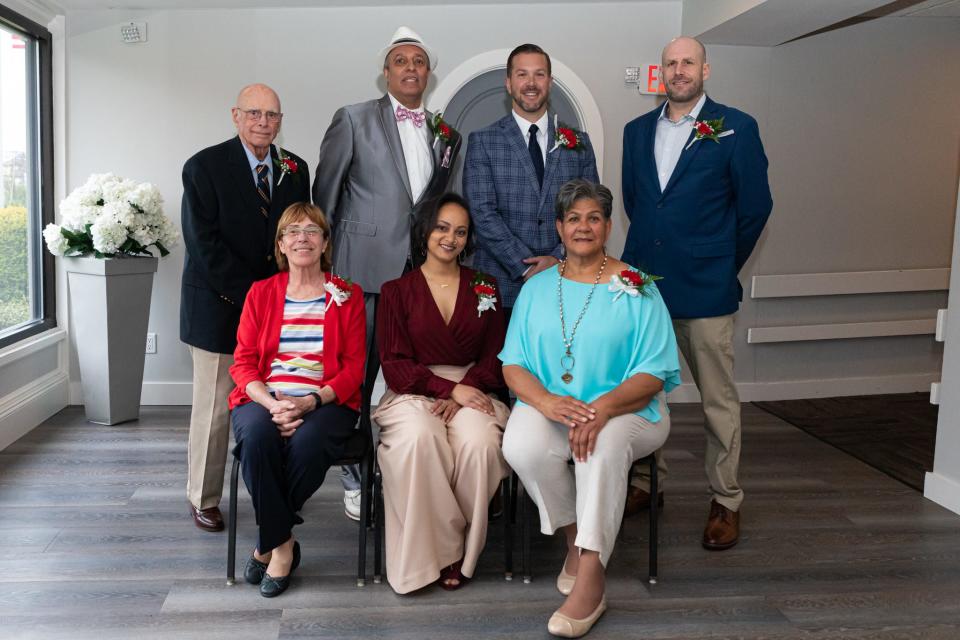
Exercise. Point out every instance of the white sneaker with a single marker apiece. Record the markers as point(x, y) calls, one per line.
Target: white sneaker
point(351, 504)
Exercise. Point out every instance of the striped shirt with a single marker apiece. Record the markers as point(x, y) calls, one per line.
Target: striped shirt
point(298, 368)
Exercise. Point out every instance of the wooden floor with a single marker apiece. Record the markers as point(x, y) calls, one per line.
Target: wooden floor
point(895, 433)
point(99, 545)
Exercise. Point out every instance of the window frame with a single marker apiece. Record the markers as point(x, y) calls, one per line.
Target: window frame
point(43, 101)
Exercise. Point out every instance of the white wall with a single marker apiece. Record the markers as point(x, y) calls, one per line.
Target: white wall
point(858, 124)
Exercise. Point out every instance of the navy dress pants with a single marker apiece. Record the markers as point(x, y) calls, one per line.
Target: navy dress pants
point(282, 473)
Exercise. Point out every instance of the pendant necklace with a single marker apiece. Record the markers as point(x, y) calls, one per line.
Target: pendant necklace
point(567, 360)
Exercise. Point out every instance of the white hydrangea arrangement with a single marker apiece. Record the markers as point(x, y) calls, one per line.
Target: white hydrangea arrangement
point(111, 216)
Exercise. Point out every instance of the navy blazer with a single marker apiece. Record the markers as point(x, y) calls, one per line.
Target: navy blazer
point(700, 230)
point(229, 243)
point(514, 216)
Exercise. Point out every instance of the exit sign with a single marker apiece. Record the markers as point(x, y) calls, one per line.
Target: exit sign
point(649, 80)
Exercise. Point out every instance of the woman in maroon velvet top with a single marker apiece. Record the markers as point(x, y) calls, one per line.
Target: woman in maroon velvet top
point(439, 330)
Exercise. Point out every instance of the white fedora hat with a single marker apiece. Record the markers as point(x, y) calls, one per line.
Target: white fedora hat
point(406, 35)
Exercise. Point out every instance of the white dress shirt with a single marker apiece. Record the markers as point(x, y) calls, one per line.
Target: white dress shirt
point(671, 138)
point(416, 150)
point(543, 124)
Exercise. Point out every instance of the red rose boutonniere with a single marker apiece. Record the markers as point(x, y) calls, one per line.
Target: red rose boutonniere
point(439, 128)
point(486, 293)
point(565, 137)
point(709, 130)
point(340, 289)
point(630, 282)
point(285, 163)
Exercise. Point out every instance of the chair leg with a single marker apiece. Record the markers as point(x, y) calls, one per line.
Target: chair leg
point(380, 530)
point(654, 514)
point(525, 535)
point(232, 531)
point(364, 521)
point(507, 528)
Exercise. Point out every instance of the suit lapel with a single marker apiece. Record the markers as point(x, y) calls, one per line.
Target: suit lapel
point(648, 143)
point(243, 177)
point(510, 130)
point(388, 122)
point(437, 147)
point(708, 112)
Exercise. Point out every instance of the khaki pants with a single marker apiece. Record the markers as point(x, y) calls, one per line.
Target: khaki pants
point(209, 427)
point(707, 347)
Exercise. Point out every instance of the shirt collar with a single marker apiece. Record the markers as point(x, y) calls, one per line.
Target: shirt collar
point(395, 103)
point(252, 159)
point(542, 124)
point(693, 115)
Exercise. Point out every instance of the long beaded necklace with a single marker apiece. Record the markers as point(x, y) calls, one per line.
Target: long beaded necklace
point(567, 360)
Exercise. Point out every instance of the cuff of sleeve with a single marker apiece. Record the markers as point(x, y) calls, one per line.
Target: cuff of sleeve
point(440, 388)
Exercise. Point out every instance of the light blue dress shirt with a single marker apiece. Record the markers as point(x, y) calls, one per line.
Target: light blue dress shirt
point(252, 159)
point(671, 138)
point(616, 339)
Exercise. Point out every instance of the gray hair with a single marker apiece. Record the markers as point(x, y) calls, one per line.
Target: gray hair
point(579, 189)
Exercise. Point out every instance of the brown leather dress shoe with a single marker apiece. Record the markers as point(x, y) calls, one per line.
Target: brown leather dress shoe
point(723, 528)
point(639, 500)
point(207, 519)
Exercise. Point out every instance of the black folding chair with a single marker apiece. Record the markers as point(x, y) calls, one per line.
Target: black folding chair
point(525, 536)
point(358, 450)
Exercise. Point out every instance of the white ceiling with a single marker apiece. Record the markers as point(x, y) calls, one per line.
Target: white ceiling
point(80, 5)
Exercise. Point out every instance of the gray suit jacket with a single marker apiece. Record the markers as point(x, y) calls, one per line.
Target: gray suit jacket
point(362, 186)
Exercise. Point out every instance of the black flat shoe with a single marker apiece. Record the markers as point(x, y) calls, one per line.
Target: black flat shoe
point(271, 587)
point(254, 571)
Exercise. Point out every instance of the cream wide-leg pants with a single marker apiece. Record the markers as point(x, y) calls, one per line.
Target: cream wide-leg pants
point(437, 483)
point(592, 493)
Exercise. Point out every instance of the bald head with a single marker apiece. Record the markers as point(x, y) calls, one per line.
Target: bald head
point(257, 117)
point(685, 44)
point(255, 93)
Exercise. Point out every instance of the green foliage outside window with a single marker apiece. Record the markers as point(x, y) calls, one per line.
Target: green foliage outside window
point(14, 270)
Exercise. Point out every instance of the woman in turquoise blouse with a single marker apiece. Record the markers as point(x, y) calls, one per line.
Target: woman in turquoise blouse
point(590, 354)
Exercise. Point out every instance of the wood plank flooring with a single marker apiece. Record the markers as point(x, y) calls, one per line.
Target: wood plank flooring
point(100, 546)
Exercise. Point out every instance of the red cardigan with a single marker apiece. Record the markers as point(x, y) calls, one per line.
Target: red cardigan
point(258, 337)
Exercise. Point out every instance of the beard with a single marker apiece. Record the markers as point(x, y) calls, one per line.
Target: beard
point(686, 93)
point(526, 105)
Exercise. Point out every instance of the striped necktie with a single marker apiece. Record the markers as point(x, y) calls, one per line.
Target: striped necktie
point(263, 189)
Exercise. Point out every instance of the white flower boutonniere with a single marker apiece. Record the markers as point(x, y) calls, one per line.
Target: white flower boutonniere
point(339, 289)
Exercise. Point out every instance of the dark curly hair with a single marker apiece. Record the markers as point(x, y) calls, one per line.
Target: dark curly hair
point(425, 221)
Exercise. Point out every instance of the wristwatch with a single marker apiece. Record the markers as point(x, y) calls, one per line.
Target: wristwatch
point(317, 397)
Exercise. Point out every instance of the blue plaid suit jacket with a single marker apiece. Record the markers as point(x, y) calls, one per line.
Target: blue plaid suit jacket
point(513, 215)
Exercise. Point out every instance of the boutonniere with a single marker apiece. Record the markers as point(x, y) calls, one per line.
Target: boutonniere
point(340, 290)
point(439, 128)
point(630, 282)
point(486, 293)
point(565, 137)
point(285, 163)
point(709, 130)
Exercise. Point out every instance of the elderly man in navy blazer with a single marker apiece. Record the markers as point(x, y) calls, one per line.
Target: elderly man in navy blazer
point(695, 190)
point(512, 173)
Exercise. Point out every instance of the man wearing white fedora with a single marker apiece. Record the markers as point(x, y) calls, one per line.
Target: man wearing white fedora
point(378, 160)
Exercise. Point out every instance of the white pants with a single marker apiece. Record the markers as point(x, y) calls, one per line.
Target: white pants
point(592, 493)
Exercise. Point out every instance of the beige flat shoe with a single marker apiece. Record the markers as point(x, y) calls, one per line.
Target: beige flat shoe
point(567, 627)
point(565, 581)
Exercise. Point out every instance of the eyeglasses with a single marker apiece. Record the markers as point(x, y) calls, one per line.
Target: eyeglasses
point(256, 114)
point(310, 232)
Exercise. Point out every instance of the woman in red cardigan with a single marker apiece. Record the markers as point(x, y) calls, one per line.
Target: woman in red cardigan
point(298, 368)
point(439, 329)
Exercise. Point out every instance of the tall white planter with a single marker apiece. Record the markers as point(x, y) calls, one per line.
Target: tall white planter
point(109, 311)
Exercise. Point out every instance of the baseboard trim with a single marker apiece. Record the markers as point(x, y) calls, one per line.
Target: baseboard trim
point(825, 388)
point(942, 490)
point(31, 404)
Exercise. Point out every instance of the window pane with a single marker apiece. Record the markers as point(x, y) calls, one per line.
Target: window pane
point(20, 299)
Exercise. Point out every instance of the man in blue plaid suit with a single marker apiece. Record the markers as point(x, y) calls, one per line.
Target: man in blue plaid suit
point(512, 173)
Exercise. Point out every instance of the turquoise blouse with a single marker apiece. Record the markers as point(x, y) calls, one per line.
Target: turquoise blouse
point(616, 339)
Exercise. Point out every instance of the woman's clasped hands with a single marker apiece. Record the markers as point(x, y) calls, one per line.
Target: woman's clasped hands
point(585, 421)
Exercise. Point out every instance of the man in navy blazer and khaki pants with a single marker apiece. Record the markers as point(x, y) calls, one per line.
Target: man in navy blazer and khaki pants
point(697, 205)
